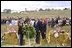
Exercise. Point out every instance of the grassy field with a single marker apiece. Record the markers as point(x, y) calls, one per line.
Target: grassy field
point(41, 14)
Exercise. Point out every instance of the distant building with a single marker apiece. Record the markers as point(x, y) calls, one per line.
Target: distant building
point(15, 11)
point(25, 9)
point(21, 11)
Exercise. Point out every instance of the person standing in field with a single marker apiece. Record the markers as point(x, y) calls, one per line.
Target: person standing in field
point(43, 28)
point(20, 27)
point(36, 26)
point(52, 23)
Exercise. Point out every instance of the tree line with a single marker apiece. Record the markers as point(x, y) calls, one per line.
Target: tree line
point(9, 10)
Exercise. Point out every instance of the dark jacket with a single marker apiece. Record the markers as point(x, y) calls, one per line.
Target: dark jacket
point(42, 27)
point(20, 26)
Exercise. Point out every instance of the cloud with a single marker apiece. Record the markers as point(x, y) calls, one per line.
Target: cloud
point(32, 5)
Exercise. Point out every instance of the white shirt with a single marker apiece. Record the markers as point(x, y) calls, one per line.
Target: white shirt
point(32, 22)
point(14, 22)
point(59, 22)
point(67, 21)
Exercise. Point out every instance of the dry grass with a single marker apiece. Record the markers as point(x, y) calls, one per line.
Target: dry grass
point(12, 39)
point(42, 14)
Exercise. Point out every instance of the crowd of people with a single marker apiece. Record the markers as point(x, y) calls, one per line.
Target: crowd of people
point(51, 21)
point(39, 24)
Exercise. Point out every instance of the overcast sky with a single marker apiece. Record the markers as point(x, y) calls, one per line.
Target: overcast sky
point(32, 5)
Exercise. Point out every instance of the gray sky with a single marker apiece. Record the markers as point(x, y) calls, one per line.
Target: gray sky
point(32, 5)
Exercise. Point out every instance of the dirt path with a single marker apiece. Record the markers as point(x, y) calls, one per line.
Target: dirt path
point(16, 46)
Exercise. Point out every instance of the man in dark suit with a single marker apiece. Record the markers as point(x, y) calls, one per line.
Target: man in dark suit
point(20, 27)
point(36, 25)
point(42, 28)
point(52, 23)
